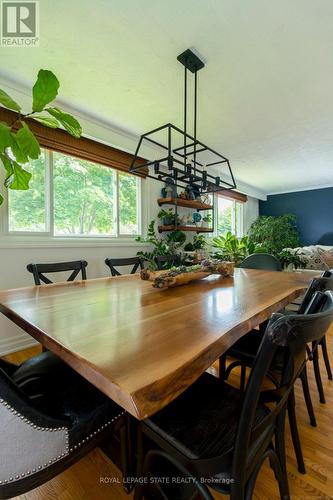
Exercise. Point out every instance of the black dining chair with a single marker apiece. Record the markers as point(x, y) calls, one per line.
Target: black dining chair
point(38, 270)
point(322, 284)
point(263, 261)
point(244, 352)
point(136, 262)
point(220, 436)
point(167, 261)
point(49, 418)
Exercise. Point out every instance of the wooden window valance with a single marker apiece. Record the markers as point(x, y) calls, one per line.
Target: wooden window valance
point(233, 195)
point(84, 148)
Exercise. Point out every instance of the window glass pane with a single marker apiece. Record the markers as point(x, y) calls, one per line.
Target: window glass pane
point(128, 203)
point(83, 197)
point(224, 215)
point(27, 209)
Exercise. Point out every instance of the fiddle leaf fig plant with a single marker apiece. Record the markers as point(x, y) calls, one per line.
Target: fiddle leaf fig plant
point(18, 144)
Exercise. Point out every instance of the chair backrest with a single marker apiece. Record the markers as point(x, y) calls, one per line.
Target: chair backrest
point(317, 284)
point(38, 270)
point(263, 261)
point(43, 438)
point(136, 262)
point(166, 261)
point(291, 334)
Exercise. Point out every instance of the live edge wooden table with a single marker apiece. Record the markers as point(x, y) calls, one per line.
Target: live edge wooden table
point(142, 347)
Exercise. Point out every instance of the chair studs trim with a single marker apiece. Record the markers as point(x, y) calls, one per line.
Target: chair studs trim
point(97, 431)
point(51, 429)
point(36, 427)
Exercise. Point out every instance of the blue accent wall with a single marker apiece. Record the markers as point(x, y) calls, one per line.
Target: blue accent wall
point(314, 211)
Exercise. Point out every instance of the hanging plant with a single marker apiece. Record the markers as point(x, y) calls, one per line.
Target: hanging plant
point(18, 144)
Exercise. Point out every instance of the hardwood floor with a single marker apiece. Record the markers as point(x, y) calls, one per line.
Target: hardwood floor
point(94, 476)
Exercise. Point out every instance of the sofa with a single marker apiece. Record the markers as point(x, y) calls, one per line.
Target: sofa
point(315, 257)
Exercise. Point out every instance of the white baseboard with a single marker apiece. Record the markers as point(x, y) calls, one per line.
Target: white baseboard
point(16, 343)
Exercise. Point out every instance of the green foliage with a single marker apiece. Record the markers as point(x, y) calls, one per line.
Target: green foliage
point(8, 102)
point(224, 220)
point(275, 233)
point(83, 198)
point(286, 257)
point(67, 121)
point(207, 218)
point(168, 216)
point(199, 242)
point(27, 208)
point(5, 136)
point(229, 247)
point(27, 142)
point(168, 245)
point(45, 89)
point(47, 121)
point(18, 145)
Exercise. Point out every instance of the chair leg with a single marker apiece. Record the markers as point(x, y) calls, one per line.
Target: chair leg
point(242, 378)
point(150, 459)
point(231, 367)
point(318, 376)
point(294, 433)
point(307, 396)
point(222, 367)
point(280, 445)
point(126, 452)
point(326, 358)
point(280, 475)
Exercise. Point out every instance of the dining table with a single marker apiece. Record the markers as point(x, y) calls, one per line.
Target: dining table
point(143, 346)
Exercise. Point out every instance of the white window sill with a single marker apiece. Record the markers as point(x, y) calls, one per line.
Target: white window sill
point(27, 241)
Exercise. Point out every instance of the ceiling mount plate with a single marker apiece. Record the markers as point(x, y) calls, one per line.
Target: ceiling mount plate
point(190, 60)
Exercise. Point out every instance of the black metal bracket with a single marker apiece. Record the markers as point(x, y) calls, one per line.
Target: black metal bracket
point(190, 60)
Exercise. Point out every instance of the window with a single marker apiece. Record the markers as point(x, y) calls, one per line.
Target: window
point(27, 210)
point(228, 216)
point(70, 197)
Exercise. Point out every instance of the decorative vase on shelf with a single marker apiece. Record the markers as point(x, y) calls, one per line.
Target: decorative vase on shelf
point(197, 218)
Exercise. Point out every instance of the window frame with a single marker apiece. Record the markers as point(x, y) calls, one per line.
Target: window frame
point(48, 234)
point(237, 221)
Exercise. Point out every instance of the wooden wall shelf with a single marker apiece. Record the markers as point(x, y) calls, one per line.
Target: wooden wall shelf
point(196, 205)
point(193, 229)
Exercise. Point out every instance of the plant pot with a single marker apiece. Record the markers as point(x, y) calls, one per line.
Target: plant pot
point(168, 221)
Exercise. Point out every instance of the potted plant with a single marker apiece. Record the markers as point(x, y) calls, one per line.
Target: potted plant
point(275, 233)
point(291, 260)
point(195, 248)
point(169, 245)
point(168, 217)
point(207, 219)
point(229, 247)
point(199, 243)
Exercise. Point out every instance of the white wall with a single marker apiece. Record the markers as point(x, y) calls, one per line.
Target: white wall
point(250, 213)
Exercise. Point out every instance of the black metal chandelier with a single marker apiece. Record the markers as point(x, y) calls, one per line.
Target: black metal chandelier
point(184, 158)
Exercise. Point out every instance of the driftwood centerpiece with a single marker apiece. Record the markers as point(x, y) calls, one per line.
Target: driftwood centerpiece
point(182, 275)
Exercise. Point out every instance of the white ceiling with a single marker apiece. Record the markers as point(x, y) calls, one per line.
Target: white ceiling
point(265, 95)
